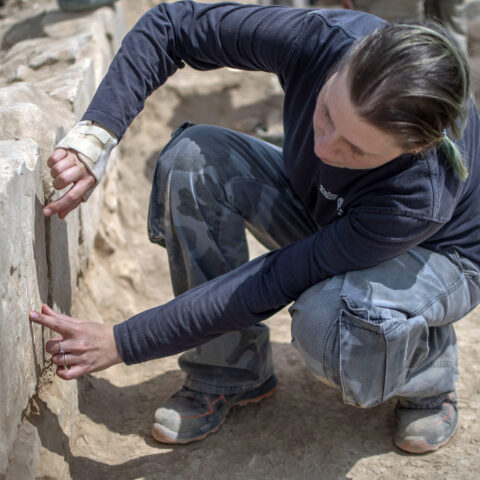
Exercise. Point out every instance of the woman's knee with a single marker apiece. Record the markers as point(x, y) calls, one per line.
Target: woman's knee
point(187, 150)
point(315, 328)
point(179, 174)
point(365, 351)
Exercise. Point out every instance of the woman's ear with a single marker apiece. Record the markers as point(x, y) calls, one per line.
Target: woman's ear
point(419, 149)
point(424, 148)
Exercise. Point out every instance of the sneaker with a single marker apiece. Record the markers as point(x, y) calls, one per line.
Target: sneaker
point(423, 430)
point(189, 415)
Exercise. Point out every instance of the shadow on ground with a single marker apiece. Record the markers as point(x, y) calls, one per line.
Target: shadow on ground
point(304, 431)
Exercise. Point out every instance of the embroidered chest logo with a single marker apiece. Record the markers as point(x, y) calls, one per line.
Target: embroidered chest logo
point(332, 196)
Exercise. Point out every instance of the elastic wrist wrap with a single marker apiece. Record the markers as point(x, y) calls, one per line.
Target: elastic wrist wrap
point(93, 144)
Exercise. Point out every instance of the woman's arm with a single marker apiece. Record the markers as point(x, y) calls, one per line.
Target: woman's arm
point(204, 36)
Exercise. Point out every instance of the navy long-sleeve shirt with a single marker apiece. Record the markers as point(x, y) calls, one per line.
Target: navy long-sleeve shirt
point(363, 216)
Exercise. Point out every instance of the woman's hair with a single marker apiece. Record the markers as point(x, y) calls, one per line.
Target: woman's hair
point(413, 82)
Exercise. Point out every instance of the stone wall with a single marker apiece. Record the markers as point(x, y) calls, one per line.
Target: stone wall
point(50, 65)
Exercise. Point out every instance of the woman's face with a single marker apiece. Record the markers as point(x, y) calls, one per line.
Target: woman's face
point(342, 138)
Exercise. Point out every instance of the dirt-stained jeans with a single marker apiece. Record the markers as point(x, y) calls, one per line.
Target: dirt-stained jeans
point(376, 333)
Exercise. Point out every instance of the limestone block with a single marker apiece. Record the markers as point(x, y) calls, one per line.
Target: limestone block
point(58, 24)
point(18, 26)
point(26, 120)
point(106, 39)
point(100, 51)
point(113, 22)
point(67, 51)
point(41, 55)
point(55, 413)
point(62, 57)
point(110, 19)
point(74, 86)
point(117, 25)
point(24, 281)
point(105, 25)
point(63, 237)
point(49, 21)
point(25, 455)
point(60, 40)
point(28, 93)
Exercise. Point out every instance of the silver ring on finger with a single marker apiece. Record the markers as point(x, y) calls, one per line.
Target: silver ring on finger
point(60, 349)
point(66, 364)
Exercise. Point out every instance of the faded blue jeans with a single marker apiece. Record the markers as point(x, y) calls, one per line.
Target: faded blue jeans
point(374, 334)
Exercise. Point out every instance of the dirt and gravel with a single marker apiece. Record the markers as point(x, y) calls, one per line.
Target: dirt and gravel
point(304, 432)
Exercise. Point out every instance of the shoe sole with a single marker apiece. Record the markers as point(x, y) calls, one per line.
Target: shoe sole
point(419, 446)
point(162, 436)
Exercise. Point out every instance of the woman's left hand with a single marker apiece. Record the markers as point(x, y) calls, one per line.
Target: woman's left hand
point(81, 347)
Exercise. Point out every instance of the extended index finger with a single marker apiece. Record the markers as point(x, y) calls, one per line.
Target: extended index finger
point(57, 324)
point(71, 199)
point(46, 310)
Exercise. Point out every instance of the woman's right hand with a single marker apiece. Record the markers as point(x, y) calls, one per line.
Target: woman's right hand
point(66, 169)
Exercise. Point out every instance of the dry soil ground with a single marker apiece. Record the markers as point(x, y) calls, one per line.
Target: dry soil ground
point(304, 432)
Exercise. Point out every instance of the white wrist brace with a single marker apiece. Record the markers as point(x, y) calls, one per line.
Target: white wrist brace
point(93, 145)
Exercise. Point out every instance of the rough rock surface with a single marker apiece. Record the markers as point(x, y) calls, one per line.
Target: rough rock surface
point(23, 277)
point(50, 64)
